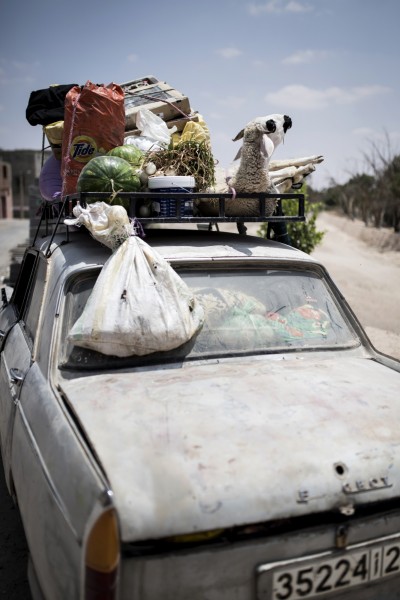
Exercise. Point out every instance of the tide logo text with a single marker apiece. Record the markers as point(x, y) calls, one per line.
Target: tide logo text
point(83, 148)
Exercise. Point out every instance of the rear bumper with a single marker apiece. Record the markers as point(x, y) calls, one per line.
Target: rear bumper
point(223, 571)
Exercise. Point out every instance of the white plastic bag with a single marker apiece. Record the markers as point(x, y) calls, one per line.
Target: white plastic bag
point(138, 305)
point(109, 225)
point(144, 144)
point(154, 127)
point(155, 134)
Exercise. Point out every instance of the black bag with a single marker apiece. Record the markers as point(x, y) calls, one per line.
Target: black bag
point(47, 106)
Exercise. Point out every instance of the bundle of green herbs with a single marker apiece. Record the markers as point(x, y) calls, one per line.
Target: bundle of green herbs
point(187, 158)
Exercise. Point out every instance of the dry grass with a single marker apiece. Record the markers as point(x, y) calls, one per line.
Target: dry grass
point(187, 158)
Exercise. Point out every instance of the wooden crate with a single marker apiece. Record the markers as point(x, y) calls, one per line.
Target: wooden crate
point(160, 98)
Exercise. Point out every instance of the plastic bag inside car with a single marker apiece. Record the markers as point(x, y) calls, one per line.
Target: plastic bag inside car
point(245, 312)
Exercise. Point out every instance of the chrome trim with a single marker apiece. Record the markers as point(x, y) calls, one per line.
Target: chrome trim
point(106, 498)
point(61, 293)
point(16, 376)
point(293, 561)
point(58, 500)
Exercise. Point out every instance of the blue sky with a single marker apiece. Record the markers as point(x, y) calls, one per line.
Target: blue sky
point(332, 65)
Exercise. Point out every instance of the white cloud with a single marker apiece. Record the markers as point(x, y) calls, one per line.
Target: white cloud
point(26, 80)
point(20, 66)
point(215, 115)
point(14, 72)
point(259, 63)
point(229, 52)
point(370, 90)
point(303, 97)
point(221, 136)
point(381, 136)
point(305, 56)
point(363, 132)
point(297, 7)
point(232, 102)
point(278, 6)
point(132, 57)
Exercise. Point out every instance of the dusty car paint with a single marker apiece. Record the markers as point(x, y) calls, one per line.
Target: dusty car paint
point(193, 443)
point(194, 446)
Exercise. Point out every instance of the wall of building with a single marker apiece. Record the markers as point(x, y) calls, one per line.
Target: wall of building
point(6, 196)
point(25, 170)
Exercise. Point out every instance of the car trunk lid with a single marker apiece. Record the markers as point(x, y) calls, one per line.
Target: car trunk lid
point(220, 444)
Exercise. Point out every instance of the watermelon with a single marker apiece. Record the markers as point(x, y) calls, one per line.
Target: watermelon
point(131, 153)
point(108, 174)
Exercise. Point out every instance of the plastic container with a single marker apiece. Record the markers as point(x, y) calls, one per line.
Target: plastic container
point(166, 207)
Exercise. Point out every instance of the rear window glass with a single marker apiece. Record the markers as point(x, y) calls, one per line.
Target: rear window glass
point(247, 311)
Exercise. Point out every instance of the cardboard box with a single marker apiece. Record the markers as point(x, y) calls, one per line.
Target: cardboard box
point(178, 123)
point(160, 98)
point(138, 83)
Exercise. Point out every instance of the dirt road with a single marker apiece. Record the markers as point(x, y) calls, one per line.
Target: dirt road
point(368, 277)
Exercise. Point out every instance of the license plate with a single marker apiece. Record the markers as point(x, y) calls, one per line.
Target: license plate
point(329, 573)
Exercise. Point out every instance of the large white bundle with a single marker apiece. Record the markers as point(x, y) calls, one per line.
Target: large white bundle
point(138, 305)
point(109, 225)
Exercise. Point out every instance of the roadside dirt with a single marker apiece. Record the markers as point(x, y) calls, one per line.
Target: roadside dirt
point(365, 266)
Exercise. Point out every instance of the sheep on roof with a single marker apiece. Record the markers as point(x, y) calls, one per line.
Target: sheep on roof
point(260, 137)
point(276, 127)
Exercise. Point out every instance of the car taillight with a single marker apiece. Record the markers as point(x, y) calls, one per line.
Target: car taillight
point(102, 558)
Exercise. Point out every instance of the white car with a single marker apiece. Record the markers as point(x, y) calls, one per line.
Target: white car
point(259, 461)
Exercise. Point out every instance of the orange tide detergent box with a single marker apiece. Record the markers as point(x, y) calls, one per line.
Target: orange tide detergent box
point(94, 123)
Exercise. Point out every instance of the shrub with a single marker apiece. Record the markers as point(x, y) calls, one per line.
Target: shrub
point(304, 235)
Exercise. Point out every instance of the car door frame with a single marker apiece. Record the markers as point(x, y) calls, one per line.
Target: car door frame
point(17, 347)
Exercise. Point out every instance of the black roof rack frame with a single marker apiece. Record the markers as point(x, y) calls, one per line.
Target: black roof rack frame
point(53, 214)
point(136, 198)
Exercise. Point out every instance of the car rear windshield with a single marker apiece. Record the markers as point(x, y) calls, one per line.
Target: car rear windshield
point(247, 312)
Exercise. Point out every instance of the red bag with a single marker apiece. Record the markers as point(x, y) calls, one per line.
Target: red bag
point(94, 122)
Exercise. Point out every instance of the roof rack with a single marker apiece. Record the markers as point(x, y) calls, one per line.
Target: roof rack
point(53, 214)
point(137, 198)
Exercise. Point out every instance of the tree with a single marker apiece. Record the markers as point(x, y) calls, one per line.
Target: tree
point(373, 197)
point(392, 174)
point(304, 235)
point(361, 189)
point(384, 164)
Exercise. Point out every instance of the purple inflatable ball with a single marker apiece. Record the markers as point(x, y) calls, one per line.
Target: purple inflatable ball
point(50, 180)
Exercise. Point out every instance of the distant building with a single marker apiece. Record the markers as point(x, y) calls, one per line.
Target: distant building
point(6, 195)
point(25, 167)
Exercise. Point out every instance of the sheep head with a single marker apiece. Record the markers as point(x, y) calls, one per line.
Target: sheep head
point(274, 129)
point(254, 136)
